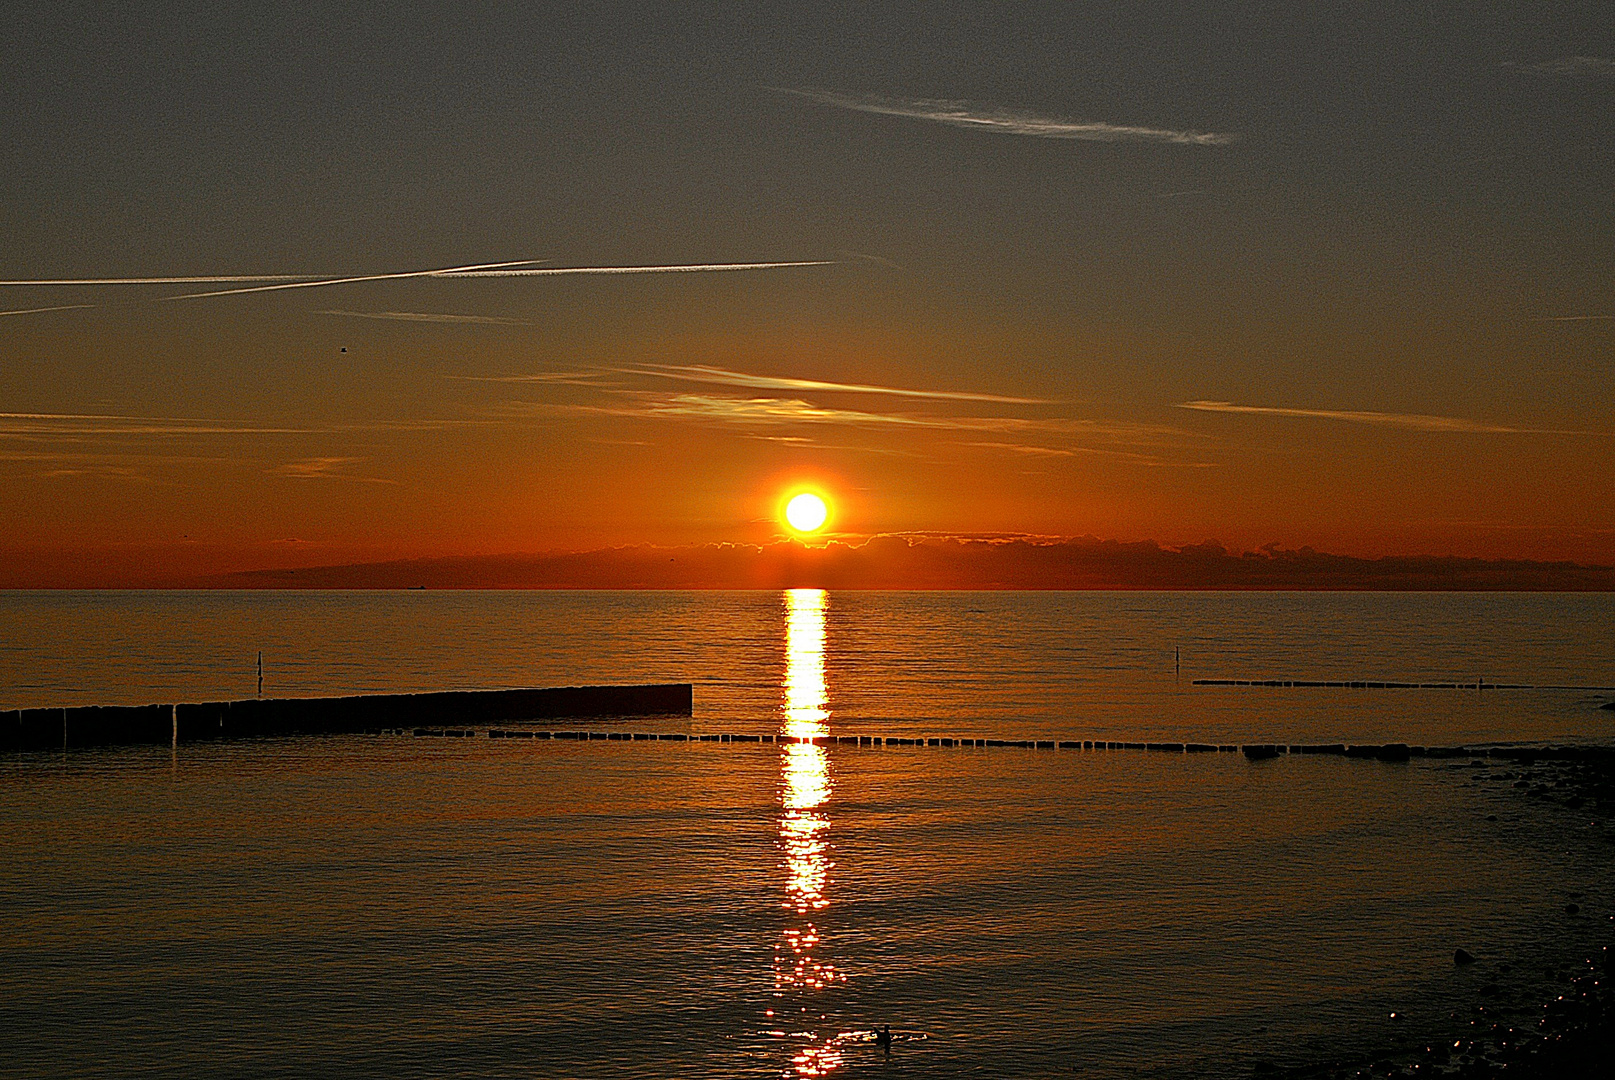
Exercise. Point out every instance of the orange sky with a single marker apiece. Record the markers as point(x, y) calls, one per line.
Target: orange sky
point(1355, 296)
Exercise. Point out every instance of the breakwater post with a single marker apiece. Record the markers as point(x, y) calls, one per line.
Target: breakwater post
point(1479, 684)
point(134, 725)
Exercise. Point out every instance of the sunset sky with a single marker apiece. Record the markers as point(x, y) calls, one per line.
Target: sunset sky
point(1339, 275)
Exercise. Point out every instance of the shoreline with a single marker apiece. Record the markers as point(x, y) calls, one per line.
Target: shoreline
point(1533, 1020)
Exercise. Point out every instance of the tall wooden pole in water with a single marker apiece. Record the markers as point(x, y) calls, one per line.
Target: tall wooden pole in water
point(260, 673)
point(1177, 662)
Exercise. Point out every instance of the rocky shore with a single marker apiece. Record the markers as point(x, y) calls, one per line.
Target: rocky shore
point(1524, 1020)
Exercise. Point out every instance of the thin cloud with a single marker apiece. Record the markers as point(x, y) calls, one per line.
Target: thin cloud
point(304, 283)
point(326, 468)
point(754, 412)
point(688, 268)
point(516, 268)
point(100, 471)
point(1575, 318)
point(721, 377)
point(430, 317)
point(1029, 451)
point(23, 425)
point(69, 459)
point(1008, 122)
point(209, 280)
point(1049, 451)
point(1584, 67)
point(876, 259)
point(78, 426)
point(1401, 421)
point(93, 458)
point(771, 410)
point(544, 378)
point(38, 310)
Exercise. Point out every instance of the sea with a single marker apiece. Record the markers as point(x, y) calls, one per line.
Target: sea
point(400, 906)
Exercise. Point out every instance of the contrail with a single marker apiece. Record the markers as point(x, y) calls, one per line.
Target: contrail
point(167, 280)
point(429, 317)
point(515, 268)
point(520, 268)
point(305, 283)
point(37, 310)
point(720, 376)
point(1404, 421)
point(1006, 121)
point(693, 268)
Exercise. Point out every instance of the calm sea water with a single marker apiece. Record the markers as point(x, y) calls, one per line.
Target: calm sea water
point(392, 906)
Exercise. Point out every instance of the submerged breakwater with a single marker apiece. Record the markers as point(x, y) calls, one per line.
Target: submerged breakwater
point(131, 725)
point(1384, 684)
point(1252, 751)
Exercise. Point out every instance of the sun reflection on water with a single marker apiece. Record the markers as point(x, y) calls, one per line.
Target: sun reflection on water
point(800, 967)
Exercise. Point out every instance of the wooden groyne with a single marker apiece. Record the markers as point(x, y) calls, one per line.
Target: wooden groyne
point(1392, 752)
point(1386, 684)
point(130, 725)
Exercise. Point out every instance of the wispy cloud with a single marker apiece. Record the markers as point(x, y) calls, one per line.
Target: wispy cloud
point(38, 310)
point(1007, 121)
point(70, 459)
point(303, 283)
point(327, 468)
point(431, 317)
point(1032, 451)
point(1585, 67)
point(279, 282)
point(1028, 451)
point(1575, 318)
point(876, 259)
point(80, 426)
point(1402, 421)
point(85, 424)
point(686, 268)
point(207, 280)
point(722, 377)
point(756, 412)
point(594, 378)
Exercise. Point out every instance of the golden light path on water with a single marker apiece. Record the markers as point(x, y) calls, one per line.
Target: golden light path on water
point(799, 966)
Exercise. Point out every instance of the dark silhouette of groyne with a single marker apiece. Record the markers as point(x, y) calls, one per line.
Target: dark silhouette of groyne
point(1386, 684)
point(133, 725)
point(1393, 752)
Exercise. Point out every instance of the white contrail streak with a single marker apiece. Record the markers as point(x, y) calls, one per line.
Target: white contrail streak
point(692, 268)
point(1595, 67)
point(37, 310)
point(1404, 421)
point(1006, 121)
point(722, 377)
point(429, 317)
point(308, 284)
point(516, 268)
point(167, 280)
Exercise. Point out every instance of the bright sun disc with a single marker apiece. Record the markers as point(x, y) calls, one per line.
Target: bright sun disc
point(806, 512)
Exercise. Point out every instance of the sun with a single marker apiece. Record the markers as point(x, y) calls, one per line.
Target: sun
point(806, 512)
